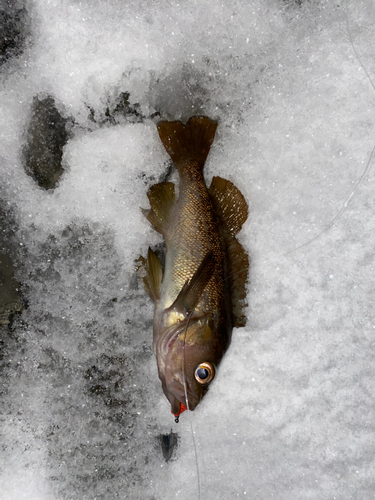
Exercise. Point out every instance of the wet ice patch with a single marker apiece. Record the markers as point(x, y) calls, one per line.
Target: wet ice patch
point(79, 352)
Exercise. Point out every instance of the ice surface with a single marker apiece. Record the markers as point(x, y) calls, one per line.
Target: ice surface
point(291, 414)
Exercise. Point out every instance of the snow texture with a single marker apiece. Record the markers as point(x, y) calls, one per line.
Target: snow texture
point(291, 413)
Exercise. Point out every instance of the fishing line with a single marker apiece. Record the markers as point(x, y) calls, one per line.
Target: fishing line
point(361, 178)
point(359, 182)
point(344, 207)
point(188, 408)
point(183, 351)
point(353, 46)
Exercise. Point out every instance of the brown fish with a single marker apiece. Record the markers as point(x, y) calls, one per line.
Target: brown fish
point(200, 295)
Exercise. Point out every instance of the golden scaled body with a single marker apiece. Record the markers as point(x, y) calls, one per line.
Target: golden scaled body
point(200, 294)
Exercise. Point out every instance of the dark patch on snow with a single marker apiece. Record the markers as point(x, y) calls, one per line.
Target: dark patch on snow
point(14, 29)
point(118, 110)
point(47, 134)
point(181, 94)
point(168, 443)
point(11, 302)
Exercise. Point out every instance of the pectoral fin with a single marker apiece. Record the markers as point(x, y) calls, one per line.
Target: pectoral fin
point(192, 290)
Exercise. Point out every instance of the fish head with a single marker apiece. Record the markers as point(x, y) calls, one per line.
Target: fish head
point(187, 361)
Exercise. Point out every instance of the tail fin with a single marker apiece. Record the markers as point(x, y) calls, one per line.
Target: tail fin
point(190, 142)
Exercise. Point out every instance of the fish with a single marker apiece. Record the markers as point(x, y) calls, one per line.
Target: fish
point(200, 295)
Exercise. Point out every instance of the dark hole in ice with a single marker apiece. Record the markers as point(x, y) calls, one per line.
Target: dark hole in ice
point(47, 134)
point(168, 443)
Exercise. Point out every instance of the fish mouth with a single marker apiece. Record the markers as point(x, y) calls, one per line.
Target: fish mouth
point(176, 391)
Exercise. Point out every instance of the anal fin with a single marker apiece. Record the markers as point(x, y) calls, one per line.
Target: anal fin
point(162, 199)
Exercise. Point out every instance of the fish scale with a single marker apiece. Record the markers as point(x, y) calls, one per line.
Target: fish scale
point(193, 233)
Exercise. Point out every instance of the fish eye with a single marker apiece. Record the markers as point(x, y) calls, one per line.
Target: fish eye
point(204, 373)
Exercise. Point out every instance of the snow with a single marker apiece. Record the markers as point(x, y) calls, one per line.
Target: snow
point(291, 413)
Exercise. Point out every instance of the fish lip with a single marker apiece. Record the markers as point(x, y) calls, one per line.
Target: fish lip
point(176, 389)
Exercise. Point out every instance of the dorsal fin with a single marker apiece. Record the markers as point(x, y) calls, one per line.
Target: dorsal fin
point(154, 274)
point(228, 203)
point(238, 275)
point(162, 199)
point(188, 142)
